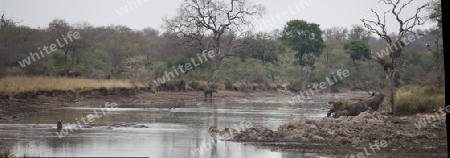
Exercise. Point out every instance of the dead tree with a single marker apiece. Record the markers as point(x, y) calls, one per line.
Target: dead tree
point(213, 24)
point(406, 26)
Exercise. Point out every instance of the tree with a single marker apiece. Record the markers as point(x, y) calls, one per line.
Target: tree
point(6, 26)
point(436, 16)
point(304, 38)
point(260, 46)
point(336, 34)
point(359, 33)
point(406, 26)
point(59, 27)
point(358, 50)
point(213, 23)
point(436, 13)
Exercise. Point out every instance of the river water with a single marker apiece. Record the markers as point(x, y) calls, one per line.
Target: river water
point(170, 133)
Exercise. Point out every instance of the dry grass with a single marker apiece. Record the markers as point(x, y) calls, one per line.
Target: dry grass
point(16, 84)
point(419, 98)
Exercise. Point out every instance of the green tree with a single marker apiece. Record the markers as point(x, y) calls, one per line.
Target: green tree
point(260, 46)
point(357, 49)
point(304, 38)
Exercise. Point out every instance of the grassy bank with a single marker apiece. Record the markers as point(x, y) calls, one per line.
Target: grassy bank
point(413, 99)
point(11, 85)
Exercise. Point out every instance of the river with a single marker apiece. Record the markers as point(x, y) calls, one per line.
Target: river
point(169, 133)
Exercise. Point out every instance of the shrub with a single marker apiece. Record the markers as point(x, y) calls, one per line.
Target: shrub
point(414, 99)
point(194, 84)
point(228, 85)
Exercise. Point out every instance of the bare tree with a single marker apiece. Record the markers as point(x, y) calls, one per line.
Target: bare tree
point(406, 26)
point(213, 25)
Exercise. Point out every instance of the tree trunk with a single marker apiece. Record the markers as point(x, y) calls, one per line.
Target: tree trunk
point(390, 91)
point(65, 59)
point(73, 59)
point(214, 76)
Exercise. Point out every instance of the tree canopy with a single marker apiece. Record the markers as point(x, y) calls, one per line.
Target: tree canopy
point(358, 50)
point(304, 38)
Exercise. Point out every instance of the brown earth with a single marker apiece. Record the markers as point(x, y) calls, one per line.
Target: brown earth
point(347, 136)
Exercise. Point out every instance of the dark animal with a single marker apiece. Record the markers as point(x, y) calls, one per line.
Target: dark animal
point(293, 89)
point(73, 74)
point(209, 92)
point(213, 131)
point(59, 126)
point(68, 73)
point(173, 85)
point(346, 108)
point(374, 101)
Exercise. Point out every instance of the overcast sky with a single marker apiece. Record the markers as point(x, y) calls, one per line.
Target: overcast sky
point(326, 13)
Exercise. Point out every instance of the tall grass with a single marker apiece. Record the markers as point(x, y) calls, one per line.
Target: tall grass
point(16, 84)
point(414, 99)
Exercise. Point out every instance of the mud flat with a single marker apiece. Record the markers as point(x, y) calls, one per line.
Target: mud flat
point(369, 134)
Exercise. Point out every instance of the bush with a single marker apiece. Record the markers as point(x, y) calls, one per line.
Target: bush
point(213, 86)
point(414, 99)
point(228, 85)
point(194, 84)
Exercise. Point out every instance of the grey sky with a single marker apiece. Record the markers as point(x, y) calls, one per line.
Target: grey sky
point(326, 13)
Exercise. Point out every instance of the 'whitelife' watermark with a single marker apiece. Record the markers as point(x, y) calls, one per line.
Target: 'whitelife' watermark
point(49, 49)
point(187, 67)
point(70, 127)
point(130, 6)
point(429, 118)
point(373, 149)
point(208, 145)
point(396, 46)
point(321, 86)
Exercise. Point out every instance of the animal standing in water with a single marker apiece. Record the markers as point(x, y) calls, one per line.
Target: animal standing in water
point(209, 92)
point(59, 126)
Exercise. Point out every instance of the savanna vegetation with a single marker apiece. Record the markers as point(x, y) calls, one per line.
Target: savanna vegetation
point(301, 53)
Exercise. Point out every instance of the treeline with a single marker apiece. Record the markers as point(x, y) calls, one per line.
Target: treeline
point(263, 57)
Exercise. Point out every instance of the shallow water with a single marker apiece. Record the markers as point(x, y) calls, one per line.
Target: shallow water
point(171, 133)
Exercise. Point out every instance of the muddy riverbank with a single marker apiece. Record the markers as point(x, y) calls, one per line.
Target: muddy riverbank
point(13, 107)
point(369, 134)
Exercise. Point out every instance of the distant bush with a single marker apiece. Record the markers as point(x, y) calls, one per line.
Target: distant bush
point(414, 99)
point(229, 85)
point(194, 85)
